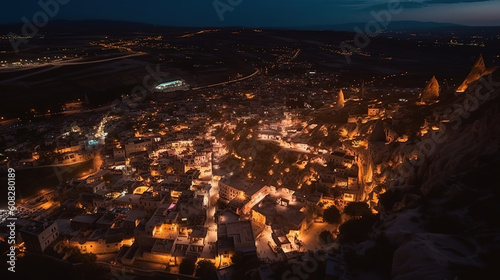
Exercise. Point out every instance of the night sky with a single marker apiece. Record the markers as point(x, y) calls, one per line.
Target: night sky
point(257, 13)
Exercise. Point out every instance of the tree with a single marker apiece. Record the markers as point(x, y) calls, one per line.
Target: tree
point(238, 258)
point(243, 264)
point(206, 270)
point(326, 236)
point(336, 192)
point(332, 215)
point(357, 209)
point(187, 266)
point(357, 230)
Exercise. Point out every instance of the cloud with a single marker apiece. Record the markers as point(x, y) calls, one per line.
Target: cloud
point(406, 4)
point(382, 5)
point(453, 1)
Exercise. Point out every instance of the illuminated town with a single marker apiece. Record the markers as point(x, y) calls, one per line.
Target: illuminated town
point(247, 153)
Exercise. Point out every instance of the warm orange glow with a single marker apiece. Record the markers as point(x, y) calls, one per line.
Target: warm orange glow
point(140, 190)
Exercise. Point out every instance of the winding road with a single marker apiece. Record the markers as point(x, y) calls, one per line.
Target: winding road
point(257, 71)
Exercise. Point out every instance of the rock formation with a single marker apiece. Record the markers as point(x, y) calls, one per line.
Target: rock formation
point(478, 70)
point(378, 132)
point(363, 90)
point(431, 91)
point(340, 100)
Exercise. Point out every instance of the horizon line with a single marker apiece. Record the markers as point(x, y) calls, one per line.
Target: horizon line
point(313, 27)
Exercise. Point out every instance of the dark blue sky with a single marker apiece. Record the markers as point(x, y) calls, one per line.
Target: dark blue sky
point(258, 13)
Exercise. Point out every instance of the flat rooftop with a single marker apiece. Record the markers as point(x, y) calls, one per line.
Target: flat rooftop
point(240, 231)
point(35, 227)
point(86, 219)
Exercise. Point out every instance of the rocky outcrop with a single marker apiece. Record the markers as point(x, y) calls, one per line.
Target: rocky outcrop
point(431, 91)
point(378, 132)
point(431, 256)
point(340, 100)
point(477, 71)
point(458, 196)
point(439, 214)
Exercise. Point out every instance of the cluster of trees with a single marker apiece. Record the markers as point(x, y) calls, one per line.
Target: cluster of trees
point(204, 269)
point(355, 229)
point(357, 209)
point(332, 214)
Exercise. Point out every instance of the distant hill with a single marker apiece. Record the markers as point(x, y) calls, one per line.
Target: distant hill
point(98, 26)
point(95, 27)
point(394, 25)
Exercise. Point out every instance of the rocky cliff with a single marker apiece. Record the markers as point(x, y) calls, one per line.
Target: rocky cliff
point(438, 215)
